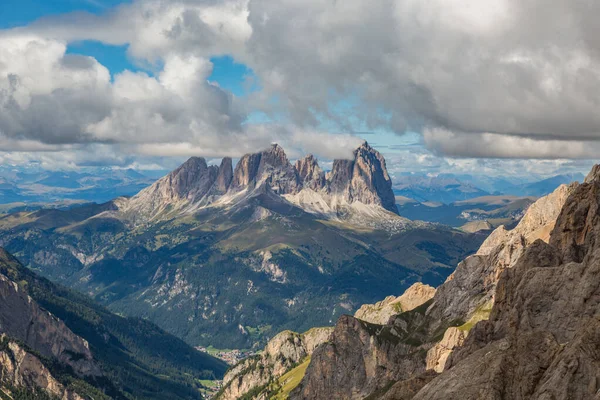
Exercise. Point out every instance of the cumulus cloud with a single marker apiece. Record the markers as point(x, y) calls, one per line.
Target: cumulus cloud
point(492, 78)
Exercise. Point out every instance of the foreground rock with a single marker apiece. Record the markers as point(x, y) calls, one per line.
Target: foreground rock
point(398, 357)
point(284, 352)
point(380, 313)
point(542, 338)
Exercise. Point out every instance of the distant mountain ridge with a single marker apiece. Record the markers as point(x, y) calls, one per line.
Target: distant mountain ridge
point(228, 256)
point(33, 185)
point(194, 184)
point(450, 188)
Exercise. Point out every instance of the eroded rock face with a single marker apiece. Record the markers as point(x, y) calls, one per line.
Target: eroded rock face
point(246, 170)
point(282, 353)
point(21, 369)
point(21, 318)
point(359, 359)
point(224, 177)
point(188, 183)
point(277, 172)
point(310, 174)
point(541, 341)
point(371, 183)
point(364, 179)
point(439, 353)
point(386, 355)
point(473, 283)
point(380, 313)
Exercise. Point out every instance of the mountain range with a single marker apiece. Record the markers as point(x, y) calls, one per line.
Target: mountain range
point(229, 257)
point(25, 186)
point(451, 188)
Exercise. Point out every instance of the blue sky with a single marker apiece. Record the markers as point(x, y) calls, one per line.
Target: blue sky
point(21, 12)
point(14, 13)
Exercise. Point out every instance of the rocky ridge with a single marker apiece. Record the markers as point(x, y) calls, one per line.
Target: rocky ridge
point(541, 340)
point(196, 185)
point(281, 354)
point(380, 312)
point(421, 342)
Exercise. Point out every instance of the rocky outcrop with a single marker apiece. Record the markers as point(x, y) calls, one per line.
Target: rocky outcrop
point(19, 369)
point(282, 353)
point(21, 318)
point(541, 340)
point(439, 353)
point(472, 286)
point(370, 182)
point(310, 174)
point(362, 358)
point(390, 358)
point(380, 313)
point(224, 177)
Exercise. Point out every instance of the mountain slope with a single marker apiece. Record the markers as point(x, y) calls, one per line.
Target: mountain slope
point(229, 259)
point(135, 356)
point(406, 352)
point(541, 340)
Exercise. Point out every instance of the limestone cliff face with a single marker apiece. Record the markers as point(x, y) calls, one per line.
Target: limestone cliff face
point(439, 353)
point(246, 170)
point(188, 183)
point(380, 313)
point(20, 369)
point(21, 318)
point(370, 182)
point(281, 354)
point(397, 354)
point(472, 285)
point(364, 179)
point(541, 340)
point(310, 174)
point(362, 358)
point(224, 177)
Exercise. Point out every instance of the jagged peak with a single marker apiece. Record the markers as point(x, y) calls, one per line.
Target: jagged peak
point(275, 156)
point(594, 174)
point(192, 162)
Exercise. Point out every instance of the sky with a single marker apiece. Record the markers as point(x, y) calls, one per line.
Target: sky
point(494, 87)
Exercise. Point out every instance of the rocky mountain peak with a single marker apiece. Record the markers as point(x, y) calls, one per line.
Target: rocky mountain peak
point(246, 170)
point(182, 181)
point(195, 184)
point(275, 156)
point(224, 176)
point(270, 168)
point(594, 174)
point(371, 183)
point(309, 173)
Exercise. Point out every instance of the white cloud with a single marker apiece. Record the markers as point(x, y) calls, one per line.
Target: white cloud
point(488, 78)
